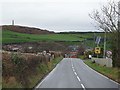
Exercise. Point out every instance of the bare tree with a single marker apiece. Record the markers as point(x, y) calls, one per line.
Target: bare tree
point(108, 19)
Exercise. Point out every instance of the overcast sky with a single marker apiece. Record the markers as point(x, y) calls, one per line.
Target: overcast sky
point(53, 15)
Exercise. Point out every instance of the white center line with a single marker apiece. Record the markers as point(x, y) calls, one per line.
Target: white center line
point(78, 79)
point(73, 70)
point(72, 67)
point(75, 73)
point(83, 86)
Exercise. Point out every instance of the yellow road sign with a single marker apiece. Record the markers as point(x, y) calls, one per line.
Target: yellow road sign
point(97, 50)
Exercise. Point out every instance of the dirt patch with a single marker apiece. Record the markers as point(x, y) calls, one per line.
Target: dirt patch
point(27, 30)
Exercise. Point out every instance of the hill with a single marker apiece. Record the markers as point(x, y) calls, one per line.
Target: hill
point(27, 30)
point(15, 37)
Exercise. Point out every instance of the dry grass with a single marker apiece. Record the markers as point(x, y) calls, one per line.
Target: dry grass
point(19, 67)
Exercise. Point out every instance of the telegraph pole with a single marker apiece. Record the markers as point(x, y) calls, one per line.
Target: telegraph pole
point(119, 16)
point(104, 55)
point(94, 40)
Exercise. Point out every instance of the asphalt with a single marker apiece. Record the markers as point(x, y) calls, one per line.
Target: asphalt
point(74, 73)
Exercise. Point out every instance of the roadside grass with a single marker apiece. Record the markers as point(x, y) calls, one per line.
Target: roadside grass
point(14, 84)
point(42, 71)
point(112, 73)
point(81, 57)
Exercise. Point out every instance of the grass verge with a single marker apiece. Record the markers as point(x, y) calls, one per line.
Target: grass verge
point(81, 57)
point(42, 71)
point(112, 73)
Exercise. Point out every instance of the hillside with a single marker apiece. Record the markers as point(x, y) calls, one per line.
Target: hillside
point(27, 34)
point(15, 37)
point(27, 30)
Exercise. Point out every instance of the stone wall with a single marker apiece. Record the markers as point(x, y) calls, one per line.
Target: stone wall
point(103, 61)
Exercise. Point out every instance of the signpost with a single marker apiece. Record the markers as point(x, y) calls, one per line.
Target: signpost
point(98, 40)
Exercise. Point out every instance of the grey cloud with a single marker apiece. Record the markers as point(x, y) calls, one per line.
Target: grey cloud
point(61, 15)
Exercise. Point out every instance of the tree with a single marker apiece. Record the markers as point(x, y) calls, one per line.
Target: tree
point(108, 19)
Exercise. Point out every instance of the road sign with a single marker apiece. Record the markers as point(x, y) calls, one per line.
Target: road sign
point(98, 40)
point(97, 50)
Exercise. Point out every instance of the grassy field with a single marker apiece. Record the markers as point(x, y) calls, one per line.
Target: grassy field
point(14, 37)
point(112, 73)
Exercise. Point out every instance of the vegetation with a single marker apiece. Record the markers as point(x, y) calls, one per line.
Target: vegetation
point(112, 73)
point(87, 39)
point(25, 70)
point(107, 19)
point(44, 69)
point(14, 37)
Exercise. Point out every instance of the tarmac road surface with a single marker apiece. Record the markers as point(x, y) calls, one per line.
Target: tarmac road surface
point(74, 73)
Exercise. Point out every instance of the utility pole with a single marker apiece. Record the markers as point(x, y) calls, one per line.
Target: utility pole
point(94, 40)
point(119, 16)
point(104, 55)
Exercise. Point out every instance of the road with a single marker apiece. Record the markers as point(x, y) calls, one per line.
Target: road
point(74, 73)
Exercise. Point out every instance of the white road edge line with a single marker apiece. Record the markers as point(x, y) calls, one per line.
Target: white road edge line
point(83, 86)
point(46, 77)
point(101, 74)
point(78, 79)
point(73, 70)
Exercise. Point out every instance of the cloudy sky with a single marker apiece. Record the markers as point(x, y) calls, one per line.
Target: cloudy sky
point(53, 15)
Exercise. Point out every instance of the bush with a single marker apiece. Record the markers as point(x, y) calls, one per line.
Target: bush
point(22, 66)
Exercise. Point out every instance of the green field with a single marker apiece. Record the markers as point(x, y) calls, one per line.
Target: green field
point(14, 37)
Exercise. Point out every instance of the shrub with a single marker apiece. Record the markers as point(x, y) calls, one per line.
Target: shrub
point(22, 66)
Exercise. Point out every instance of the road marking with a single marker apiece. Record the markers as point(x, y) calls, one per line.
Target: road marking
point(46, 76)
point(72, 65)
point(101, 74)
point(73, 70)
point(75, 73)
point(40, 83)
point(77, 76)
point(83, 86)
point(78, 79)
